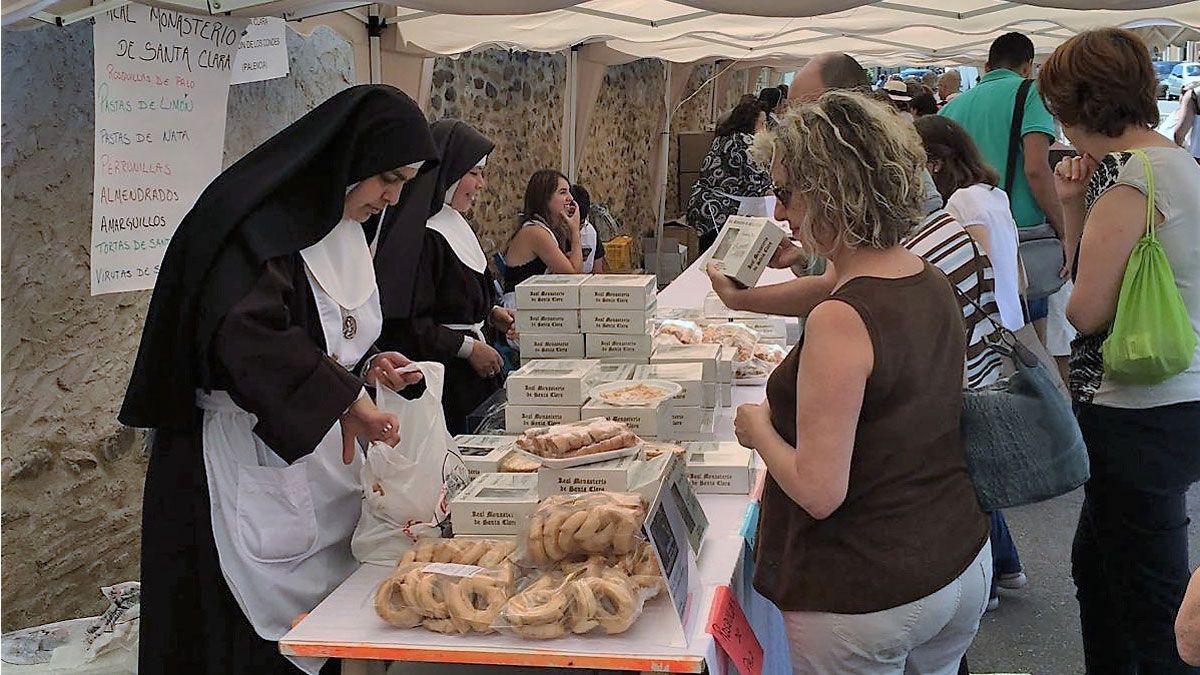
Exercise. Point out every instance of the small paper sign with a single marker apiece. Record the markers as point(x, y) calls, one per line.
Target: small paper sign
point(728, 625)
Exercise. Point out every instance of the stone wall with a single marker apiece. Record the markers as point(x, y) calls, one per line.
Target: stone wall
point(72, 477)
point(617, 162)
point(515, 99)
point(691, 115)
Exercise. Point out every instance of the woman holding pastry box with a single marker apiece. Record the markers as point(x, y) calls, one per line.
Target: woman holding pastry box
point(871, 539)
point(263, 315)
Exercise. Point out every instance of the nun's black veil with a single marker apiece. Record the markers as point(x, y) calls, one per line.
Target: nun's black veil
point(282, 197)
point(460, 148)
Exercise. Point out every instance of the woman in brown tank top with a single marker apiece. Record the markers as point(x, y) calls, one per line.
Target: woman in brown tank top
point(871, 540)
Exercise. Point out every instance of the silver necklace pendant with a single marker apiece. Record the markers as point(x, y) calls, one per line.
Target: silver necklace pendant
point(349, 325)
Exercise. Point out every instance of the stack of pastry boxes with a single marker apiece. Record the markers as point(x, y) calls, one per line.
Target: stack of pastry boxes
point(716, 364)
point(576, 316)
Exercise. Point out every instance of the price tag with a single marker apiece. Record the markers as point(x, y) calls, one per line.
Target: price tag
point(728, 625)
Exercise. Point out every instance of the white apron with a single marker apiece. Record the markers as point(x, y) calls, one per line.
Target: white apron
point(283, 532)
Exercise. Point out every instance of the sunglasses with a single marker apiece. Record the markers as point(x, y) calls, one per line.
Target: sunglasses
point(782, 195)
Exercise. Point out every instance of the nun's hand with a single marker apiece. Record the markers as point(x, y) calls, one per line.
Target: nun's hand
point(392, 370)
point(485, 360)
point(503, 319)
point(364, 420)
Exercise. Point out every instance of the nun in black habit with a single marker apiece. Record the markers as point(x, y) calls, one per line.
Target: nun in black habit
point(448, 311)
point(264, 310)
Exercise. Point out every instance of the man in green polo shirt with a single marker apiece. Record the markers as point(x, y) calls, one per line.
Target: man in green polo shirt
point(986, 112)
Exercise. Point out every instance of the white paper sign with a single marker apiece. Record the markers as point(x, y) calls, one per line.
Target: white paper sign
point(162, 83)
point(263, 54)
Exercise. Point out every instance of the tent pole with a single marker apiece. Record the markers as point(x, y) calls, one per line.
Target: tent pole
point(712, 94)
point(663, 168)
point(569, 116)
point(374, 35)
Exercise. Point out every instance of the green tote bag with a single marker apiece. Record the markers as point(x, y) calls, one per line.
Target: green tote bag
point(1152, 337)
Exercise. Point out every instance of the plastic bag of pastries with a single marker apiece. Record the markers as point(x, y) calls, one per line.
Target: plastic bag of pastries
point(574, 526)
point(445, 597)
point(594, 596)
point(481, 552)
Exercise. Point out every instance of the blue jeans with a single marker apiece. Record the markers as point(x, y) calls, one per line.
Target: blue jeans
point(1129, 559)
point(1037, 309)
point(1005, 559)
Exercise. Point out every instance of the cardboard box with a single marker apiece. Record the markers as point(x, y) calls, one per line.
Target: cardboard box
point(616, 321)
point(685, 420)
point(550, 291)
point(615, 372)
point(604, 346)
point(674, 259)
point(706, 355)
point(703, 431)
point(720, 468)
point(725, 365)
point(725, 394)
point(552, 382)
point(614, 475)
point(518, 418)
point(645, 421)
point(680, 313)
point(482, 454)
point(745, 246)
point(618, 291)
point(770, 329)
point(693, 146)
point(550, 346)
point(548, 321)
point(710, 395)
point(625, 360)
point(714, 308)
point(690, 376)
point(495, 503)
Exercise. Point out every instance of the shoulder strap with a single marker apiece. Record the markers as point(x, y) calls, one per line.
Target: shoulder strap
point(1141, 155)
point(1014, 133)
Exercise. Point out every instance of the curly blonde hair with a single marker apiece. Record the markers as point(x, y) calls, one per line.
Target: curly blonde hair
point(855, 164)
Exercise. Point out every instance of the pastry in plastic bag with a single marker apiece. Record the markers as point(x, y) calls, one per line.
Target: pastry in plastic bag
point(481, 552)
point(676, 331)
point(577, 439)
point(739, 336)
point(580, 524)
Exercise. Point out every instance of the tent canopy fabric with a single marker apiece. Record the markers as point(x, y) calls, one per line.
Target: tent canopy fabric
point(689, 31)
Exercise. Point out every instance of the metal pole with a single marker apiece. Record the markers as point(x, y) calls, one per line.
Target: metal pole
point(569, 117)
point(374, 34)
point(663, 166)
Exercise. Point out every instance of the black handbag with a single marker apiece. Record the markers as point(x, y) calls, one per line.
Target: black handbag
point(1022, 441)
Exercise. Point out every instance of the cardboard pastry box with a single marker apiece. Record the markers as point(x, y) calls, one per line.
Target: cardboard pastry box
point(495, 503)
point(550, 291)
point(563, 382)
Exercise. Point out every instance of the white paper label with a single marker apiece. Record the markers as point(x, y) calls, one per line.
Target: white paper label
point(452, 570)
point(262, 54)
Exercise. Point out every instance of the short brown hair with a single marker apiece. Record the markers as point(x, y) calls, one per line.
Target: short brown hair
point(1101, 80)
point(842, 71)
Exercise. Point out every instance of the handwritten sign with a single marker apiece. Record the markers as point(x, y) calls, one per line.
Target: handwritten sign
point(729, 627)
point(162, 84)
point(262, 54)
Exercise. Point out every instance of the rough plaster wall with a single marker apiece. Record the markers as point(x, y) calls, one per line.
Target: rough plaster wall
point(72, 477)
point(692, 115)
point(616, 163)
point(515, 99)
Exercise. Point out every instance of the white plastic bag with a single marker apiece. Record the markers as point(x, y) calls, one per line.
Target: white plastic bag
point(406, 488)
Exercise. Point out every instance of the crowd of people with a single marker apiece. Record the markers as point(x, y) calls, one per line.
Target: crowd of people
point(860, 432)
point(340, 251)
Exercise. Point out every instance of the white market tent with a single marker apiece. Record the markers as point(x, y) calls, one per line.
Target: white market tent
point(683, 33)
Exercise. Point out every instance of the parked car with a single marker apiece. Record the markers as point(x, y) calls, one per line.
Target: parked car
point(1163, 69)
point(1182, 75)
